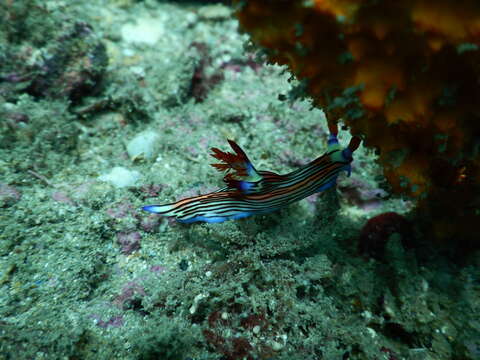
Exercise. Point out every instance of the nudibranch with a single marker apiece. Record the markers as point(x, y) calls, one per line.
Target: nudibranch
point(251, 192)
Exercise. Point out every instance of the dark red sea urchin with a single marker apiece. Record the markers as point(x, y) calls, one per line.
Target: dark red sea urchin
point(376, 232)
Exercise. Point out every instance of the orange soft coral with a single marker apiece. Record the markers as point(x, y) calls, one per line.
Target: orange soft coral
point(404, 74)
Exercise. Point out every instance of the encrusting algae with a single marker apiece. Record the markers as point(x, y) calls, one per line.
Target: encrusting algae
point(402, 74)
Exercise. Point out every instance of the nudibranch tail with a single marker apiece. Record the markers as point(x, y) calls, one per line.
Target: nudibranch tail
point(260, 192)
point(158, 209)
point(214, 207)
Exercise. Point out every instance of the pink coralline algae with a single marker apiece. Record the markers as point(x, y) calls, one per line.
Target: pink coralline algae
point(150, 190)
point(121, 210)
point(129, 292)
point(114, 321)
point(362, 194)
point(150, 223)
point(158, 269)
point(62, 197)
point(129, 241)
point(8, 195)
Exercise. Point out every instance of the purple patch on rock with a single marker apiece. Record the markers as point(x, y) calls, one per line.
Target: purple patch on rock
point(8, 195)
point(150, 223)
point(119, 211)
point(158, 269)
point(151, 190)
point(129, 242)
point(114, 321)
point(62, 197)
point(362, 194)
point(82, 189)
point(129, 291)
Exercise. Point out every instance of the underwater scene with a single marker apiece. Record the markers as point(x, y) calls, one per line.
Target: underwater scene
point(239, 180)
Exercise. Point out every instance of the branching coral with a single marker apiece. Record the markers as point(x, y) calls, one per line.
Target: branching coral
point(404, 74)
